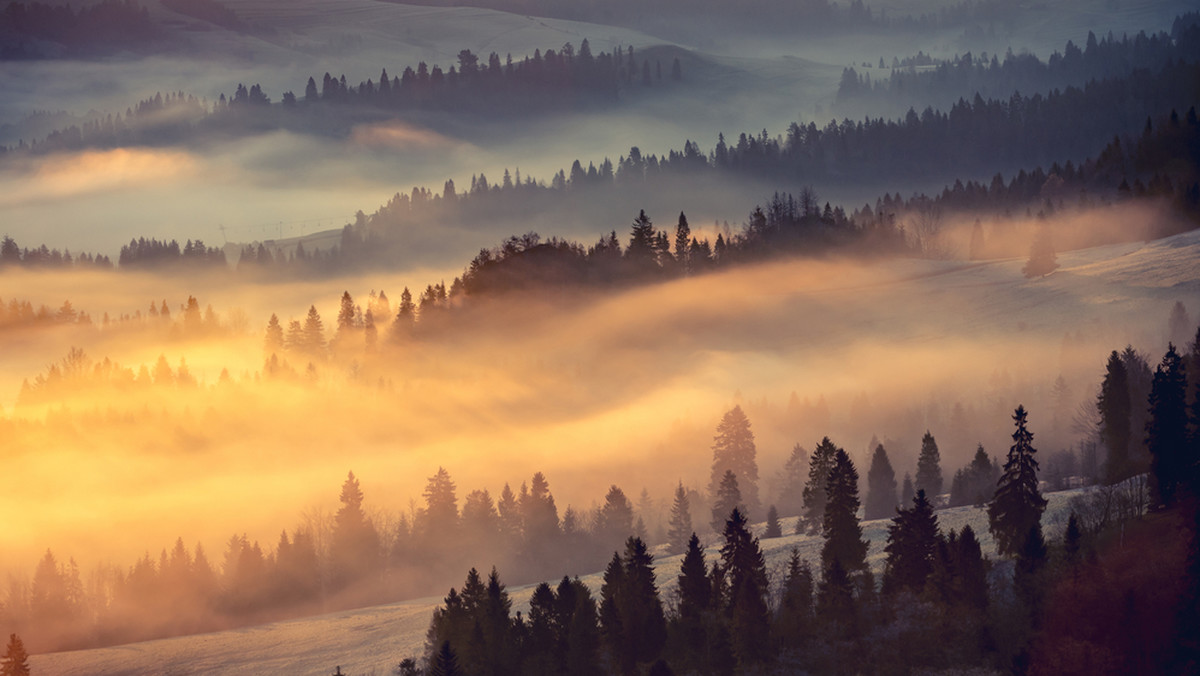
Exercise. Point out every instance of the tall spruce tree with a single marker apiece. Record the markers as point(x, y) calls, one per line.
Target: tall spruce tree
point(929, 468)
point(1114, 408)
point(728, 497)
point(793, 616)
point(1171, 463)
point(881, 487)
point(733, 450)
point(912, 545)
point(746, 580)
point(1017, 504)
point(815, 496)
point(16, 660)
point(637, 626)
point(680, 524)
point(842, 531)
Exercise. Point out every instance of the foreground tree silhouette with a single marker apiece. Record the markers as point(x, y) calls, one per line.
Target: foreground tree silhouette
point(745, 574)
point(929, 468)
point(1017, 505)
point(881, 487)
point(912, 546)
point(1114, 408)
point(1171, 463)
point(16, 660)
point(815, 496)
point(842, 531)
point(632, 622)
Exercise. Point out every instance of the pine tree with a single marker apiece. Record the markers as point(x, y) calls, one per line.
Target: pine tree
point(840, 528)
point(912, 544)
point(345, 318)
point(814, 491)
point(746, 576)
point(683, 237)
point(733, 450)
point(16, 660)
point(1171, 461)
point(773, 529)
point(795, 472)
point(1017, 505)
point(274, 341)
point(681, 521)
point(445, 663)
point(881, 487)
point(614, 523)
point(314, 333)
point(1114, 408)
point(636, 625)
point(406, 317)
point(929, 468)
point(643, 244)
point(727, 498)
point(355, 551)
point(793, 617)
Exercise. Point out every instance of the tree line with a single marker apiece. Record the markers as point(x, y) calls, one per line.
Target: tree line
point(941, 84)
point(546, 81)
point(105, 27)
point(940, 605)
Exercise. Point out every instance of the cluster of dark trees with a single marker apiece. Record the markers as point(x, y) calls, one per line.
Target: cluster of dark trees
point(37, 30)
point(21, 313)
point(547, 81)
point(964, 76)
point(1159, 163)
point(940, 605)
point(11, 254)
point(566, 78)
point(151, 253)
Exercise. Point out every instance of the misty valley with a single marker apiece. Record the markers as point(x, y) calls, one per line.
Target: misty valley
point(538, 337)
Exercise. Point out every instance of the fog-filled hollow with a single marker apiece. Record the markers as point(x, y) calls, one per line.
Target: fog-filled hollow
point(591, 388)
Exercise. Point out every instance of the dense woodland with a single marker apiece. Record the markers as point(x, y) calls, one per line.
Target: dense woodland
point(36, 30)
point(546, 82)
point(939, 603)
point(1158, 164)
point(918, 82)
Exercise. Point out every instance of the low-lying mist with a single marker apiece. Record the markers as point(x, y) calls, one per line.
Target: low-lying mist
point(619, 387)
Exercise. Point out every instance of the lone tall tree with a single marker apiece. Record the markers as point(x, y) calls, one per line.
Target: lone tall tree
point(842, 531)
point(1115, 410)
point(929, 467)
point(881, 487)
point(729, 497)
point(1017, 505)
point(745, 573)
point(681, 521)
point(733, 450)
point(1166, 432)
point(16, 660)
point(814, 491)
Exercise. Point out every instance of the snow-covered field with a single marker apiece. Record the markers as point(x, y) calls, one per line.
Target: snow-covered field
point(374, 640)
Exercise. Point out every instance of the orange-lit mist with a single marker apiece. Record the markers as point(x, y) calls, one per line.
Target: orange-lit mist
point(619, 387)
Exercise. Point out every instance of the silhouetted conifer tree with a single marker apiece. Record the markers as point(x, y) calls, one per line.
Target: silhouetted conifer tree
point(1172, 461)
point(929, 468)
point(680, 524)
point(733, 450)
point(815, 496)
point(274, 339)
point(16, 659)
point(840, 527)
point(1114, 407)
point(1042, 259)
point(881, 487)
point(1017, 505)
point(745, 575)
point(773, 529)
point(727, 498)
point(912, 544)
